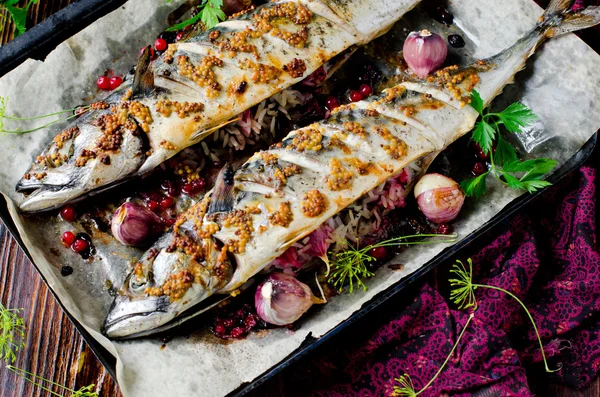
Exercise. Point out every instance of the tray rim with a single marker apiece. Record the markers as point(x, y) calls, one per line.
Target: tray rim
point(41, 39)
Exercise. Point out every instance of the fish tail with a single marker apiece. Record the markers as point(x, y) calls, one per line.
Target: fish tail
point(561, 17)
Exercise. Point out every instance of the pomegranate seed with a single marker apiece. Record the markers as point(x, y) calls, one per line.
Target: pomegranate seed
point(103, 82)
point(379, 253)
point(167, 202)
point(444, 229)
point(332, 102)
point(68, 213)
point(404, 177)
point(220, 330)
point(237, 332)
point(365, 90)
point(194, 187)
point(68, 238)
point(479, 168)
point(160, 44)
point(179, 36)
point(250, 321)
point(170, 188)
point(355, 96)
point(219, 321)
point(228, 323)
point(80, 245)
point(115, 82)
point(168, 221)
point(153, 205)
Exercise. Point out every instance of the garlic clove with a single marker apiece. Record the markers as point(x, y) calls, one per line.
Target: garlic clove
point(439, 198)
point(134, 225)
point(424, 52)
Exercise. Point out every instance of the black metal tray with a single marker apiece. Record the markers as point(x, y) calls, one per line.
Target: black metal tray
point(39, 41)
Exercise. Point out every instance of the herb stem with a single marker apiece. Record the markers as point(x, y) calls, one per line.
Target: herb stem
point(449, 355)
point(31, 377)
point(41, 117)
point(40, 127)
point(528, 315)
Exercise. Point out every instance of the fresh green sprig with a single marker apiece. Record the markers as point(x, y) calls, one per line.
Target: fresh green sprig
point(463, 295)
point(18, 14)
point(12, 333)
point(36, 380)
point(504, 163)
point(210, 14)
point(407, 389)
point(350, 266)
point(80, 111)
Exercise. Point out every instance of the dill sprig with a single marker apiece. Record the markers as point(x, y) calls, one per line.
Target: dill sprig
point(75, 112)
point(407, 389)
point(350, 266)
point(463, 294)
point(12, 333)
point(86, 391)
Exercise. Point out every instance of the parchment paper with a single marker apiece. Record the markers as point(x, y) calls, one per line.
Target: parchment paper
point(561, 85)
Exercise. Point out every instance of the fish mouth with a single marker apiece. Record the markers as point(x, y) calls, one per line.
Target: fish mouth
point(47, 198)
point(130, 316)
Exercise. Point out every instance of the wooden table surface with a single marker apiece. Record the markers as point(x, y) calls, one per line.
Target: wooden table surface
point(54, 348)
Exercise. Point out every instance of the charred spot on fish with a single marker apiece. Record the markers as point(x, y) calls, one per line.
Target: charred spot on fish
point(105, 159)
point(241, 87)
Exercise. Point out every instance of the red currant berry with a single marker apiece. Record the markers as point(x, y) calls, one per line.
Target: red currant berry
point(332, 102)
point(115, 82)
point(365, 90)
point(160, 44)
point(179, 36)
point(220, 330)
point(80, 245)
point(479, 168)
point(153, 205)
point(379, 253)
point(103, 82)
point(355, 96)
point(68, 238)
point(68, 213)
point(167, 202)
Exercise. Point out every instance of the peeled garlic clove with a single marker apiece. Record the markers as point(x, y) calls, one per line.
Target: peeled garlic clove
point(439, 198)
point(424, 52)
point(281, 299)
point(134, 224)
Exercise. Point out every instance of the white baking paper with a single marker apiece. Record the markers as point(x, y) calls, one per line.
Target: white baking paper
point(560, 84)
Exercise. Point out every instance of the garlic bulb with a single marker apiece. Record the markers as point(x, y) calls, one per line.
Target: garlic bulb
point(133, 224)
point(439, 198)
point(281, 299)
point(424, 52)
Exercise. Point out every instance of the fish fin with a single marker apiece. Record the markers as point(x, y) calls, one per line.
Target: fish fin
point(558, 7)
point(143, 80)
point(576, 20)
point(222, 198)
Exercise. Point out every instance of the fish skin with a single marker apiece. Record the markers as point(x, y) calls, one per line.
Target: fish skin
point(331, 30)
point(440, 117)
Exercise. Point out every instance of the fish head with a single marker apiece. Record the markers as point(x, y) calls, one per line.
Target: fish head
point(96, 150)
point(177, 273)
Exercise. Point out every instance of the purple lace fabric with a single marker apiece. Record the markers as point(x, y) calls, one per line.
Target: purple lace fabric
point(546, 256)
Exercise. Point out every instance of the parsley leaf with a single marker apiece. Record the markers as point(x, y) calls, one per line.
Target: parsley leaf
point(477, 102)
point(484, 135)
point(504, 152)
point(18, 14)
point(504, 160)
point(474, 186)
point(210, 15)
point(516, 116)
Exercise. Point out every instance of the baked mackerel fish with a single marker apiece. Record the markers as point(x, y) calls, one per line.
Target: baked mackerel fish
point(282, 194)
point(196, 86)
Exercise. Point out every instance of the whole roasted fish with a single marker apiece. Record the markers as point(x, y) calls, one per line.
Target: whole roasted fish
point(281, 195)
point(194, 87)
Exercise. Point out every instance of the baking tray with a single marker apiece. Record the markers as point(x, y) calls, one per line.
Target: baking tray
point(39, 41)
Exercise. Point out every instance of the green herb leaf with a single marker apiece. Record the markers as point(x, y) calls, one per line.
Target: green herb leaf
point(18, 14)
point(474, 186)
point(484, 135)
point(477, 102)
point(504, 152)
point(210, 14)
point(534, 185)
point(516, 117)
point(12, 333)
point(512, 182)
point(539, 166)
